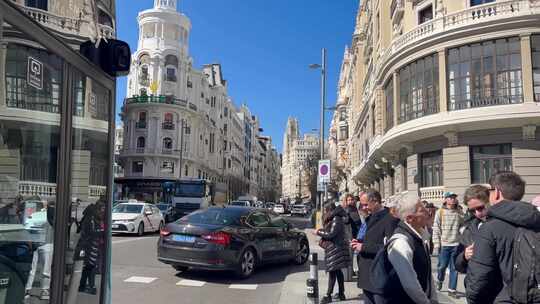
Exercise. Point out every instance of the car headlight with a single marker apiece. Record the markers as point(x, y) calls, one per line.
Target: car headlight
point(132, 220)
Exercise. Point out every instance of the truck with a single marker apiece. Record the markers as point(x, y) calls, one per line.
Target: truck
point(187, 195)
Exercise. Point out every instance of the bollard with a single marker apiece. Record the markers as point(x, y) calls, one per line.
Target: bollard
point(313, 281)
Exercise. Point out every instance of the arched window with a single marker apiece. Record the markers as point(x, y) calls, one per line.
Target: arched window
point(167, 143)
point(143, 76)
point(104, 18)
point(141, 142)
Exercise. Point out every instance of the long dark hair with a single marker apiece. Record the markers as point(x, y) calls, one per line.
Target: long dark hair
point(329, 208)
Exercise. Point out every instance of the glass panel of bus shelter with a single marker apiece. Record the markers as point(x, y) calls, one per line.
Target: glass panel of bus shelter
point(87, 258)
point(30, 96)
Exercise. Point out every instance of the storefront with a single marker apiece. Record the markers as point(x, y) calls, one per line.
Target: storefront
point(56, 140)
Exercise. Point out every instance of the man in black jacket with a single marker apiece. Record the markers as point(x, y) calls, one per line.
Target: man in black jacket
point(490, 268)
point(380, 227)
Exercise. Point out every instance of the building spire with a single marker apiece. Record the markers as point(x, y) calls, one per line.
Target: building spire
point(165, 4)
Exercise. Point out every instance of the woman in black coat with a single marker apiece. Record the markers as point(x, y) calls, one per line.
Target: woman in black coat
point(336, 249)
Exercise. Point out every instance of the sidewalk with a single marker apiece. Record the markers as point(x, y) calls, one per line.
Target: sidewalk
point(294, 286)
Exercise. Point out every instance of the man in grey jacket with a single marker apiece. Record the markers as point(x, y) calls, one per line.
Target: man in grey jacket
point(408, 252)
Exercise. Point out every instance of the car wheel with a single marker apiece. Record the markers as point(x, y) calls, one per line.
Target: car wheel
point(302, 253)
point(140, 230)
point(246, 266)
point(180, 268)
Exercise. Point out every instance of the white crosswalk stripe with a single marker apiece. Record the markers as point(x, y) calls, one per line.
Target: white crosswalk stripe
point(191, 283)
point(243, 286)
point(142, 280)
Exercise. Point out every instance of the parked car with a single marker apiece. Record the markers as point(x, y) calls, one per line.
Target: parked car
point(279, 209)
point(231, 238)
point(269, 206)
point(240, 203)
point(136, 218)
point(299, 209)
point(166, 211)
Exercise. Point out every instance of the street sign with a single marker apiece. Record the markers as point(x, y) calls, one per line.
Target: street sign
point(324, 171)
point(34, 74)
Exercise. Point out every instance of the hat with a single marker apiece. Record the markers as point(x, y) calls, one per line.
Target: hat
point(448, 194)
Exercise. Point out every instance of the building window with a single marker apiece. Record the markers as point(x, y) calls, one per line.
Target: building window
point(343, 133)
point(225, 111)
point(479, 2)
point(141, 123)
point(168, 121)
point(419, 88)
point(432, 169)
point(40, 4)
point(137, 167)
point(141, 142)
point(167, 143)
point(79, 92)
point(143, 78)
point(535, 44)
point(389, 95)
point(98, 105)
point(343, 114)
point(425, 14)
point(19, 94)
point(167, 167)
point(485, 74)
point(171, 75)
point(488, 160)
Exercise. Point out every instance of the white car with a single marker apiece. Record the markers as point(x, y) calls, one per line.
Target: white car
point(241, 203)
point(279, 209)
point(136, 218)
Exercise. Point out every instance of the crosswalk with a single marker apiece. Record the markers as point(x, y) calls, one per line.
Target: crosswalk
point(188, 283)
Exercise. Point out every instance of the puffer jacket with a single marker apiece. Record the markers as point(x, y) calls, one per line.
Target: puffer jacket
point(490, 268)
point(336, 254)
point(472, 224)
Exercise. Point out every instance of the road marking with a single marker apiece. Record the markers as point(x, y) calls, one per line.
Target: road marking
point(243, 286)
point(133, 240)
point(190, 283)
point(144, 280)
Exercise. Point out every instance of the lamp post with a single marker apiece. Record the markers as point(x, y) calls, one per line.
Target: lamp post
point(181, 148)
point(322, 67)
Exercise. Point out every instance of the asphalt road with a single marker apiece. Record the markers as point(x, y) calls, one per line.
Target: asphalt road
point(138, 277)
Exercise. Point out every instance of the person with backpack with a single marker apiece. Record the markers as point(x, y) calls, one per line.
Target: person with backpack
point(380, 225)
point(447, 223)
point(336, 249)
point(407, 253)
point(476, 199)
point(505, 265)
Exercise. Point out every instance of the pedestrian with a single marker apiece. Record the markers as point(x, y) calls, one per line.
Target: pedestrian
point(380, 225)
point(353, 218)
point(495, 271)
point(446, 226)
point(408, 253)
point(476, 198)
point(536, 202)
point(432, 210)
point(336, 250)
point(91, 246)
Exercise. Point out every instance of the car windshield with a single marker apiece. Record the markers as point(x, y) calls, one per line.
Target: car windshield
point(127, 208)
point(189, 190)
point(221, 216)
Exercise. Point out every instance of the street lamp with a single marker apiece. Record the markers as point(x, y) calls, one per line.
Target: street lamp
point(182, 127)
point(322, 67)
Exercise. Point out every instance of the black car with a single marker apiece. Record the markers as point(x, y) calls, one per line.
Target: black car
point(231, 238)
point(166, 211)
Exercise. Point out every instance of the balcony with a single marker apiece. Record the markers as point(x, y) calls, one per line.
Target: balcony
point(48, 190)
point(433, 194)
point(483, 102)
point(156, 99)
point(140, 150)
point(167, 151)
point(52, 21)
point(414, 111)
point(168, 125)
point(140, 125)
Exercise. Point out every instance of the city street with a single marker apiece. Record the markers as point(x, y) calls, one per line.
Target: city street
point(138, 277)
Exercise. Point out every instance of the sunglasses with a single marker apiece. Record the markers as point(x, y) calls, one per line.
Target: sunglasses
point(479, 209)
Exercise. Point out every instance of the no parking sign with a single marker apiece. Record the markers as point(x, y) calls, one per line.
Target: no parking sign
point(324, 171)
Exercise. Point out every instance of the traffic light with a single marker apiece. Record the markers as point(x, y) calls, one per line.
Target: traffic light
point(112, 56)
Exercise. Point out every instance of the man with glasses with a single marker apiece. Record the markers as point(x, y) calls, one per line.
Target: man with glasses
point(476, 199)
point(491, 273)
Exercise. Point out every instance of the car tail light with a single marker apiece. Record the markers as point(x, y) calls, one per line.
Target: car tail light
point(220, 238)
point(164, 232)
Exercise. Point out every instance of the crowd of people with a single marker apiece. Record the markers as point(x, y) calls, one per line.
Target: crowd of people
point(493, 239)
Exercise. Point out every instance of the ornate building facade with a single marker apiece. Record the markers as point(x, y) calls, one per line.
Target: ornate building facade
point(443, 94)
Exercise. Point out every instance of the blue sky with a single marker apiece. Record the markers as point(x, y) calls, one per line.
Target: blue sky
point(264, 47)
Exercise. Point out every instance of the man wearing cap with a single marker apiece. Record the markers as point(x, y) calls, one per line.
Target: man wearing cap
point(446, 226)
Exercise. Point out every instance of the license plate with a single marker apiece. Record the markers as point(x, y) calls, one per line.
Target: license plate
point(183, 238)
point(115, 226)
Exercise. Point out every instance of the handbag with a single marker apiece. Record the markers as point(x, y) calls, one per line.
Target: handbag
point(324, 243)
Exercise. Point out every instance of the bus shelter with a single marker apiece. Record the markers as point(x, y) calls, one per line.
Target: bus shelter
point(56, 159)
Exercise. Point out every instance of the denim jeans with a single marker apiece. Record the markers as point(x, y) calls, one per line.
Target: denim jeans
point(447, 257)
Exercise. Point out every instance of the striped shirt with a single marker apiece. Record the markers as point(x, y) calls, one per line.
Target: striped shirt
point(446, 227)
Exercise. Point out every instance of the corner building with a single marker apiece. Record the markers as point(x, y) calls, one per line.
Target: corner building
point(445, 93)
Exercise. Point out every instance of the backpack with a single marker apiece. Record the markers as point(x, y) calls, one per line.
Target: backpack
point(384, 278)
point(525, 284)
